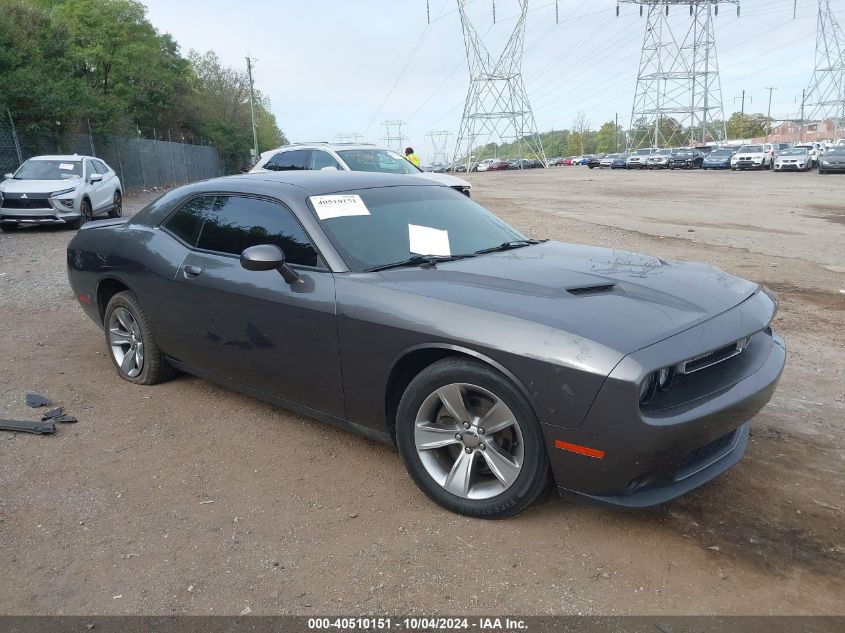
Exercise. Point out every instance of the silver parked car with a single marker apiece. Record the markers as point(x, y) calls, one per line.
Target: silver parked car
point(794, 158)
point(59, 190)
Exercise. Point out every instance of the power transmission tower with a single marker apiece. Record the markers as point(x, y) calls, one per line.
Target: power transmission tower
point(349, 137)
point(497, 107)
point(678, 98)
point(393, 137)
point(825, 98)
point(439, 143)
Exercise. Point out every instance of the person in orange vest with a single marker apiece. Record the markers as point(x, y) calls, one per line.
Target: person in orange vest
point(413, 158)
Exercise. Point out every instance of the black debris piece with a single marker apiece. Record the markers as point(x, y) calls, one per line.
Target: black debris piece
point(36, 400)
point(53, 413)
point(66, 419)
point(36, 428)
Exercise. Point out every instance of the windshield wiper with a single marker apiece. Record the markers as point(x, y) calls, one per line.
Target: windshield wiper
point(506, 246)
point(419, 260)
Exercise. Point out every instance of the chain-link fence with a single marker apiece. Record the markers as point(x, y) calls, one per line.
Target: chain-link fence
point(142, 159)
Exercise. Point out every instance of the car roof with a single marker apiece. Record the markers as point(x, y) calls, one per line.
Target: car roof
point(65, 157)
point(327, 145)
point(322, 182)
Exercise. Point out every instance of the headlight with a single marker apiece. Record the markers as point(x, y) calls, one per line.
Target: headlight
point(824, 162)
point(647, 388)
point(62, 192)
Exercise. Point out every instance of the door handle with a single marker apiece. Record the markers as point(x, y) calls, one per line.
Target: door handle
point(191, 271)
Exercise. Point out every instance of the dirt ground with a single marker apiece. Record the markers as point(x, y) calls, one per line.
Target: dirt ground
point(189, 498)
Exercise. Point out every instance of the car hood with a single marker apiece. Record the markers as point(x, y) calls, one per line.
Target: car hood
point(716, 159)
point(37, 186)
point(446, 179)
point(750, 155)
point(644, 299)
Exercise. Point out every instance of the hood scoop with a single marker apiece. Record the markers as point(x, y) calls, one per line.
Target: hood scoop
point(591, 290)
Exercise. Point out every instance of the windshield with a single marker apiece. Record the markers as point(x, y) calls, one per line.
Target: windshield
point(751, 149)
point(401, 222)
point(643, 152)
point(49, 170)
point(664, 152)
point(795, 151)
point(381, 160)
point(722, 152)
point(836, 151)
point(684, 153)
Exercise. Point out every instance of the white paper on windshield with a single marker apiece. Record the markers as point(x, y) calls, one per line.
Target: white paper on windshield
point(424, 240)
point(338, 206)
point(66, 166)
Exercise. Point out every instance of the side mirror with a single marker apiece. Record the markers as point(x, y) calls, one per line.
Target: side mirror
point(8, 176)
point(268, 257)
point(96, 177)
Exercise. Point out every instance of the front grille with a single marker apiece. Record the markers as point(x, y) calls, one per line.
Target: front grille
point(704, 455)
point(27, 203)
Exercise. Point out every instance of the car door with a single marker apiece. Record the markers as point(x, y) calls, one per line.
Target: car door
point(94, 189)
point(251, 327)
point(109, 180)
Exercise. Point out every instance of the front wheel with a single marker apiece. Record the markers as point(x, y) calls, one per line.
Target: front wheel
point(130, 342)
point(117, 206)
point(470, 440)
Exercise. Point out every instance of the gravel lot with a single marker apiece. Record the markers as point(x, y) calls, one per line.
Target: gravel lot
point(189, 498)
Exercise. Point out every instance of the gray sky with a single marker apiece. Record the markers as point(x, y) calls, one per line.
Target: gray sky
point(333, 66)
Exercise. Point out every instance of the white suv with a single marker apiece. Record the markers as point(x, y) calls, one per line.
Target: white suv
point(639, 159)
point(348, 157)
point(59, 190)
point(753, 157)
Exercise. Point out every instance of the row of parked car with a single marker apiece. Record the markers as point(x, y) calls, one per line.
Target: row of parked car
point(826, 157)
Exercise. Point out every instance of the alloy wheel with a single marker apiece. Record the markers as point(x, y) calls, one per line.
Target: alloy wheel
point(117, 210)
point(469, 441)
point(125, 342)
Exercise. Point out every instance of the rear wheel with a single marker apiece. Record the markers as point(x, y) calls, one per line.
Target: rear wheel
point(470, 440)
point(130, 342)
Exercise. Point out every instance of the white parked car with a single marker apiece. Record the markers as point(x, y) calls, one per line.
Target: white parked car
point(753, 157)
point(348, 157)
point(485, 164)
point(660, 159)
point(639, 159)
point(795, 158)
point(816, 150)
point(59, 190)
point(607, 161)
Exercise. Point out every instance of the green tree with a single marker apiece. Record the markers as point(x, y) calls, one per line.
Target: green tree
point(607, 137)
point(746, 125)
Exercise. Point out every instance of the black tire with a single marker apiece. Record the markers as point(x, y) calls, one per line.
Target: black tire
point(8, 228)
point(534, 471)
point(822, 172)
point(155, 368)
point(117, 209)
point(85, 215)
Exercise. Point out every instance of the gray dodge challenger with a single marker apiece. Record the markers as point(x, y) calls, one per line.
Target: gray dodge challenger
point(402, 310)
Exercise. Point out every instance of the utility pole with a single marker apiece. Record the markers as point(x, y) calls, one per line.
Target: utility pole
point(826, 94)
point(616, 133)
point(252, 107)
point(801, 125)
point(750, 100)
point(769, 113)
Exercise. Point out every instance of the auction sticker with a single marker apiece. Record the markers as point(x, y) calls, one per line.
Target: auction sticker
point(338, 206)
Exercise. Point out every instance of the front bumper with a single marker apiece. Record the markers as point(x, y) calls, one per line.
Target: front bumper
point(791, 166)
point(652, 455)
point(43, 212)
point(748, 164)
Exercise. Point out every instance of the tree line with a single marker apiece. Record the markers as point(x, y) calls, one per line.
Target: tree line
point(65, 63)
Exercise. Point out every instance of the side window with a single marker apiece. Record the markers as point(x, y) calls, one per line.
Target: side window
point(89, 168)
point(236, 223)
point(321, 159)
point(290, 160)
point(101, 167)
point(186, 223)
